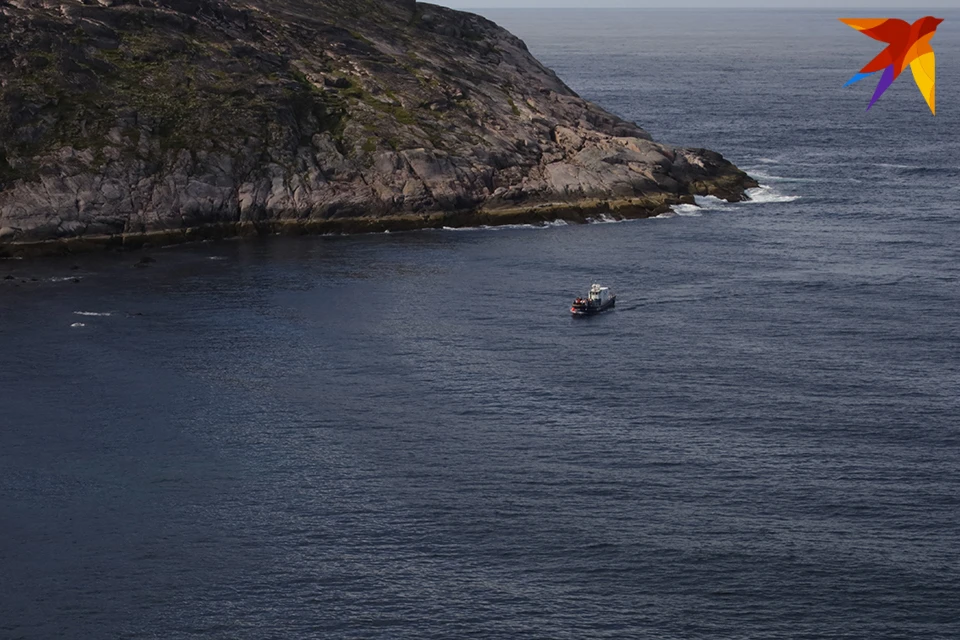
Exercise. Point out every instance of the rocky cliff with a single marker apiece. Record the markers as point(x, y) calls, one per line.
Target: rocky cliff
point(132, 121)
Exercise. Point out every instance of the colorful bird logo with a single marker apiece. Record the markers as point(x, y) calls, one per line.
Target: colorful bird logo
point(909, 44)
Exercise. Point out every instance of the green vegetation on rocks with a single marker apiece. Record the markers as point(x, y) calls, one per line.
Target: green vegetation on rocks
point(130, 119)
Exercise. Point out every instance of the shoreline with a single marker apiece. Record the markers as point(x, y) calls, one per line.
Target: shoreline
point(581, 212)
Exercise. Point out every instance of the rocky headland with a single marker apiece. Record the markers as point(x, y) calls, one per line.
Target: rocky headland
point(127, 122)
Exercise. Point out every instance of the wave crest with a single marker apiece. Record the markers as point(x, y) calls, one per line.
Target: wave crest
point(765, 194)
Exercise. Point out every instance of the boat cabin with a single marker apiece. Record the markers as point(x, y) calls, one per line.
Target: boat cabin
point(599, 295)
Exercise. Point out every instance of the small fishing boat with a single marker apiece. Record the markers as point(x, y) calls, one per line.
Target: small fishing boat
point(597, 301)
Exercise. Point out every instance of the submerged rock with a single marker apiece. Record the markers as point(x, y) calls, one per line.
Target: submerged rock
point(129, 122)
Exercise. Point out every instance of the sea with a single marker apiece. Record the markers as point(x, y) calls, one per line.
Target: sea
point(407, 435)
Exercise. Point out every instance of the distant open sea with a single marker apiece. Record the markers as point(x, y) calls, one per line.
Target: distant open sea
point(407, 435)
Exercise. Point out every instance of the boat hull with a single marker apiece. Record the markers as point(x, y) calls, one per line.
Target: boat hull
point(589, 310)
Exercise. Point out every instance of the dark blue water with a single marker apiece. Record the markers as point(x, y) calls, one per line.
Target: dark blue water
point(406, 436)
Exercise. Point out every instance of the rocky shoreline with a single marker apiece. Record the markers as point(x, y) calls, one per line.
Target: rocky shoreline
point(125, 124)
point(581, 213)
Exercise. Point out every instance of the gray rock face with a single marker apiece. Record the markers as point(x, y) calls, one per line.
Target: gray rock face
point(132, 117)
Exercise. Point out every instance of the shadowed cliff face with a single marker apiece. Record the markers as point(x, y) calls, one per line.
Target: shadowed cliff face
point(138, 116)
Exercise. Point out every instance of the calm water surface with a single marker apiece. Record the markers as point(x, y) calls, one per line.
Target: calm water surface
point(406, 435)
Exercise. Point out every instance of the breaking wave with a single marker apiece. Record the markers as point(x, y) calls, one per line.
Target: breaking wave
point(712, 203)
point(763, 175)
point(765, 194)
point(691, 210)
point(495, 227)
point(93, 314)
point(603, 218)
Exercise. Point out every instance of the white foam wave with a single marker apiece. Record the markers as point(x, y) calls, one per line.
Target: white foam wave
point(763, 175)
point(765, 194)
point(690, 210)
point(711, 202)
point(487, 227)
point(64, 278)
point(498, 227)
point(77, 325)
point(605, 218)
point(887, 165)
point(93, 314)
point(768, 161)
